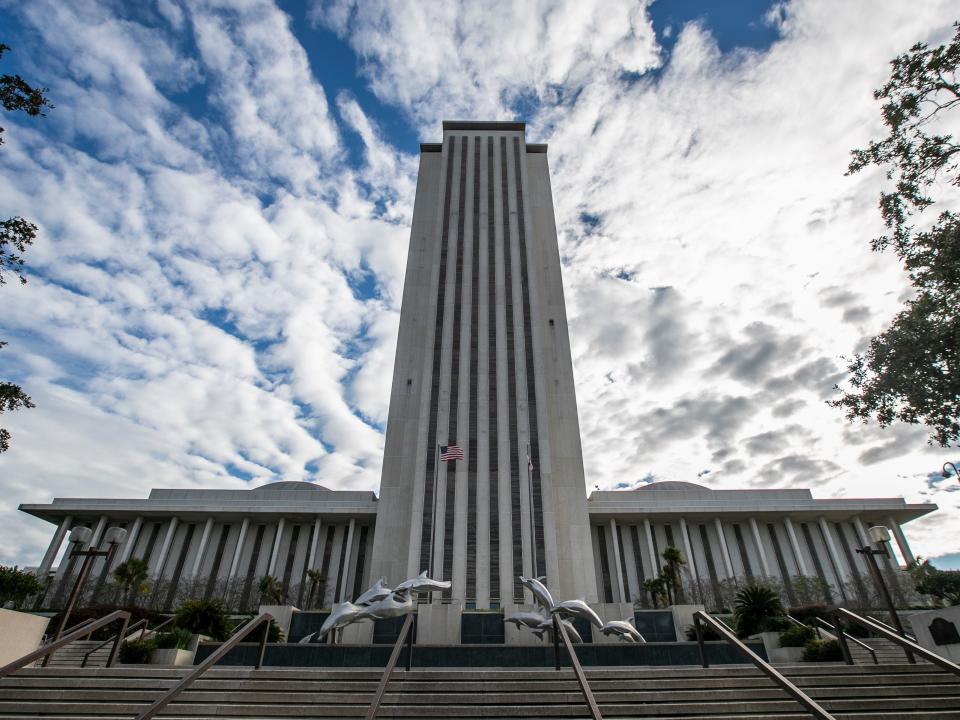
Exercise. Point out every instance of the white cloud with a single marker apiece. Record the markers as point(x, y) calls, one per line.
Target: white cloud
point(197, 307)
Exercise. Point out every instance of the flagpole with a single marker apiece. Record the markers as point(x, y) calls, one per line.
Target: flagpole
point(533, 533)
point(433, 510)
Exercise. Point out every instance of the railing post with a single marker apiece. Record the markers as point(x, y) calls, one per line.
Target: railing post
point(413, 627)
point(115, 650)
point(699, 629)
point(841, 639)
point(262, 649)
point(556, 642)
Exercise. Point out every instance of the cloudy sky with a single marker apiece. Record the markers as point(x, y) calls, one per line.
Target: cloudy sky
point(224, 191)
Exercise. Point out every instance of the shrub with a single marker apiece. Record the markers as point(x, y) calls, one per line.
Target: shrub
point(708, 633)
point(775, 624)
point(177, 638)
point(204, 617)
point(797, 636)
point(754, 605)
point(137, 652)
point(806, 613)
point(822, 651)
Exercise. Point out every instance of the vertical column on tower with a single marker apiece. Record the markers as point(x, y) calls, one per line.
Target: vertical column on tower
point(532, 456)
point(427, 529)
point(450, 470)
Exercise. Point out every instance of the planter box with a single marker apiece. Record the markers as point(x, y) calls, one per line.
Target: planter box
point(780, 655)
point(172, 656)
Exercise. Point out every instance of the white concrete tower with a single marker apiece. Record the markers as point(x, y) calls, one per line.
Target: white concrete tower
point(483, 362)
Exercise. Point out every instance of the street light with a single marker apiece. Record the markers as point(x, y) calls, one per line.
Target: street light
point(946, 473)
point(880, 536)
point(79, 537)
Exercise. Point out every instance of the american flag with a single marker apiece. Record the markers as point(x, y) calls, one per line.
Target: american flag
point(450, 452)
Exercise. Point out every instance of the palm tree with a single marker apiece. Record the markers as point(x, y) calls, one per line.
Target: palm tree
point(271, 589)
point(318, 581)
point(753, 606)
point(671, 572)
point(655, 587)
point(132, 576)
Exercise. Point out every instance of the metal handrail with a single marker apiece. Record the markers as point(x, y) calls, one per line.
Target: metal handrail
point(87, 628)
point(213, 659)
point(561, 631)
point(908, 646)
point(81, 624)
point(128, 631)
point(405, 633)
point(907, 635)
point(766, 668)
point(163, 624)
point(837, 631)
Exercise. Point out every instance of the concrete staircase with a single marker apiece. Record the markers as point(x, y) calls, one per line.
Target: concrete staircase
point(888, 652)
point(859, 692)
point(72, 654)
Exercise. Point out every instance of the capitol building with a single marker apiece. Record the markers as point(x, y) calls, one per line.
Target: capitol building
point(483, 477)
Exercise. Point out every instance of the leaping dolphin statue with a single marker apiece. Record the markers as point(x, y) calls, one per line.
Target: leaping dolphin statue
point(378, 591)
point(548, 625)
point(624, 629)
point(421, 584)
point(531, 619)
point(579, 609)
point(391, 606)
point(342, 615)
point(539, 590)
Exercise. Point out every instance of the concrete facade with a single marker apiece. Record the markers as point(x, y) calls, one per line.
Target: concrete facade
point(483, 362)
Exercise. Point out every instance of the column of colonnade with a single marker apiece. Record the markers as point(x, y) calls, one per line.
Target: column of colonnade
point(225, 550)
point(721, 549)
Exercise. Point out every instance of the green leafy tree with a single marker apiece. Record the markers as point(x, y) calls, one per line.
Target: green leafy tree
point(16, 585)
point(271, 590)
point(132, 577)
point(754, 607)
point(16, 95)
point(911, 372)
point(942, 585)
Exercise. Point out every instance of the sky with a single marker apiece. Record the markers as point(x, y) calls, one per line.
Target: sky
point(224, 192)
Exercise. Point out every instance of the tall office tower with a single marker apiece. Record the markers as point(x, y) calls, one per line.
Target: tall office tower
point(483, 363)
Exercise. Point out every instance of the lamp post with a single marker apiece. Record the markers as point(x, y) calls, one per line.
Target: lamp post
point(946, 473)
point(880, 536)
point(78, 537)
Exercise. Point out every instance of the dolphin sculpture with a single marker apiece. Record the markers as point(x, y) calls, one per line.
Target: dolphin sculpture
point(306, 639)
point(539, 590)
point(378, 591)
point(421, 584)
point(342, 615)
point(527, 618)
point(623, 629)
point(391, 606)
point(578, 609)
point(548, 625)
